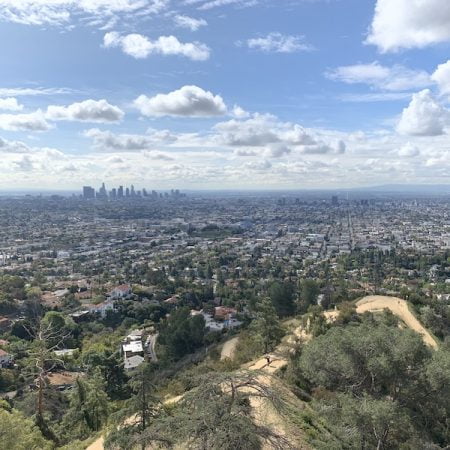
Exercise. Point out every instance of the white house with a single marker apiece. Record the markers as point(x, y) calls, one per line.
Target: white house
point(133, 350)
point(101, 308)
point(122, 291)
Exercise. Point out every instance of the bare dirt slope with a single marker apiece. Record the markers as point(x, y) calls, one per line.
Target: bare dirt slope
point(228, 348)
point(398, 307)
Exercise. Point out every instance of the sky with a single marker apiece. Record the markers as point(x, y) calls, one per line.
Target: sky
point(224, 94)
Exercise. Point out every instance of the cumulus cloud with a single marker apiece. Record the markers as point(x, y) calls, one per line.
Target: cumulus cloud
point(405, 24)
point(189, 101)
point(107, 141)
point(239, 113)
point(140, 47)
point(24, 122)
point(59, 12)
point(10, 104)
point(409, 150)
point(273, 137)
point(158, 156)
point(13, 146)
point(24, 164)
point(190, 23)
point(279, 43)
point(442, 78)
point(395, 78)
point(87, 111)
point(424, 116)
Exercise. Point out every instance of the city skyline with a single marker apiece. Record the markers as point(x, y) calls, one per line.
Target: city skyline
point(167, 93)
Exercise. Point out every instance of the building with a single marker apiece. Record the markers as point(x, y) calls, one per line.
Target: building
point(101, 308)
point(119, 292)
point(88, 192)
point(133, 350)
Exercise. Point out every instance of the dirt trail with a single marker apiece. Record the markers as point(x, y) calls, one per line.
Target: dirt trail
point(398, 307)
point(97, 445)
point(228, 348)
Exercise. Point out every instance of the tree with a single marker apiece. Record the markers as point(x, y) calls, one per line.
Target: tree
point(267, 325)
point(309, 291)
point(143, 407)
point(282, 297)
point(388, 387)
point(20, 433)
point(48, 335)
point(88, 409)
point(216, 415)
point(182, 333)
point(110, 365)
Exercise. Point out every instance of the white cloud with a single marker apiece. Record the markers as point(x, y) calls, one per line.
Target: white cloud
point(395, 78)
point(140, 47)
point(25, 91)
point(190, 23)
point(371, 97)
point(405, 24)
point(59, 12)
point(239, 113)
point(87, 111)
point(24, 122)
point(25, 164)
point(210, 4)
point(409, 150)
point(158, 156)
point(424, 116)
point(273, 138)
point(10, 104)
point(442, 78)
point(279, 43)
point(107, 141)
point(13, 146)
point(189, 101)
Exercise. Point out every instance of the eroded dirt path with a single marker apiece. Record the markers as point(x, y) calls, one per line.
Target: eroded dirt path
point(399, 307)
point(228, 348)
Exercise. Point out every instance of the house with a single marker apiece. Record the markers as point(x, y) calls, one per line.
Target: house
point(224, 313)
point(6, 359)
point(119, 292)
point(133, 350)
point(101, 308)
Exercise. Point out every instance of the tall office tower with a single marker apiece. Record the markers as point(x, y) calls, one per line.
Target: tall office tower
point(102, 192)
point(127, 192)
point(132, 192)
point(120, 192)
point(113, 193)
point(154, 194)
point(88, 192)
point(144, 192)
point(335, 200)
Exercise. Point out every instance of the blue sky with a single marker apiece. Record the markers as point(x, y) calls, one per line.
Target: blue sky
point(207, 94)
